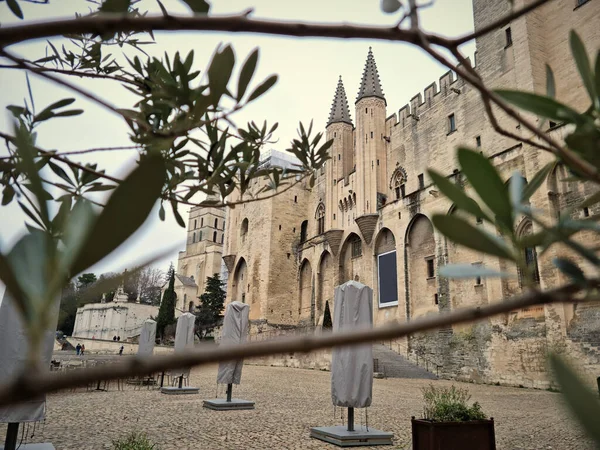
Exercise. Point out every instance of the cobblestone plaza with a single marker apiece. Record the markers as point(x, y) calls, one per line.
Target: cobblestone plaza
point(288, 403)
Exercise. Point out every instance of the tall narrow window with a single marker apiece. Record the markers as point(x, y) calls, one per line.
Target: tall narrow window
point(478, 141)
point(195, 223)
point(303, 231)
point(421, 181)
point(295, 199)
point(222, 237)
point(216, 223)
point(451, 123)
point(508, 33)
point(193, 237)
point(356, 247)
point(202, 222)
point(430, 268)
point(200, 236)
point(215, 236)
point(320, 218)
point(403, 190)
point(435, 299)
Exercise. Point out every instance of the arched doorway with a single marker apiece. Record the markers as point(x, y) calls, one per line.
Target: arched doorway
point(326, 285)
point(305, 306)
point(240, 281)
point(387, 268)
point(350, 259)
point(421, 262)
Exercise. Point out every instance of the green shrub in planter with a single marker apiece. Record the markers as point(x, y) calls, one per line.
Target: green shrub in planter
point(449, 405)
point(450, 423)
point(134, 441)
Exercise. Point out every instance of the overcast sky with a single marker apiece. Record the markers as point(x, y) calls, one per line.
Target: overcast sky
point(308, 70)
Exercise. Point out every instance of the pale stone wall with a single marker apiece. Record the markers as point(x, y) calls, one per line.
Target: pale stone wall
point(105, 320)
point(108, 347)
point(287, 282)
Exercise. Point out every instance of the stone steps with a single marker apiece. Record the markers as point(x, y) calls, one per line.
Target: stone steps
point(393, 365)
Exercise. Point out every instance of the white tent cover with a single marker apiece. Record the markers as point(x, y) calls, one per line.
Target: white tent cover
point(235, 330)
point(147, 338)
point(352, 367)
point(14, 346)
point(184, 339)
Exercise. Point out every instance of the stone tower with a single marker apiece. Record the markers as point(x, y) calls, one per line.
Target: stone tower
point(202, 255)
point(370, 146)
point(340, 129)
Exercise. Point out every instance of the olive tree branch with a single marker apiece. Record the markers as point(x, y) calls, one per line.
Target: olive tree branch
point(239, 23)
point(31, 384)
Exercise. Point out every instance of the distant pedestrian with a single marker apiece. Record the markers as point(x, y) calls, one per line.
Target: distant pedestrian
point(121, 350)
point(78, 349)
point(82, 349)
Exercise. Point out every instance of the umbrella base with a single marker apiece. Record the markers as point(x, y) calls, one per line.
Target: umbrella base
point(179, 390)
point(220, 404)
point(340, 436)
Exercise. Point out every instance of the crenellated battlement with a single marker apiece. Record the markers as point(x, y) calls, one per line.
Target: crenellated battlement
point(448, 84)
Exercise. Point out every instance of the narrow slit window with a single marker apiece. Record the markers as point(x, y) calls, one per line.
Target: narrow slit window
point(451, 123)
point(435, 299)
point(430, 268)
point(478, 141)
point(508, 33)
point(421, 181)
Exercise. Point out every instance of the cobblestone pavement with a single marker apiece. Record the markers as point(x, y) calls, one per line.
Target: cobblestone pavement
point(288, 403)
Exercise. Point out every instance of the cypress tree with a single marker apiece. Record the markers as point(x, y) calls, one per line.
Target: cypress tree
point(166, 312)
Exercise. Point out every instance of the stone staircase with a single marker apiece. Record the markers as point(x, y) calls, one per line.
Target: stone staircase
point(393, 365)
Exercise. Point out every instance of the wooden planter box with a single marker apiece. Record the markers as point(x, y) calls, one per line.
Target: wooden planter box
point(473, 435)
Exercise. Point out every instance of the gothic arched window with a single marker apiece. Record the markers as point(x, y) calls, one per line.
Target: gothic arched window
point(320, 218)
point(398, 182)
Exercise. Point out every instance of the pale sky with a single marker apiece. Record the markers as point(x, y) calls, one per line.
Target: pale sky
point(308, 70)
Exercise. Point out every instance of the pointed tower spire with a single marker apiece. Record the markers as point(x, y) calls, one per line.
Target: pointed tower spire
point(339, 108)
point(370, 86)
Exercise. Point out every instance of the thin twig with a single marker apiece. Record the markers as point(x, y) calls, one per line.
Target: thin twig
point(66, 161)
point(32, 384)
point(36, 68)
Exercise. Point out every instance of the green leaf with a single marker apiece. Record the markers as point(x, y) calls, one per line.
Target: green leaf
point(16, 110)
point(246, 74)
point(219, 72)
point(541, 106)
point(30, 261)
point(198, 6)
point(115, 6)
point(515, 189)
point(262, 88)
point(60, 172)
point(15, 8)
point(161, 212)
point(60, 104)
point(125, 212)
point(570, 269)
point(68, 113)
point(583, 65)
point(462, 232)
point(390, 6)
point(582, 401)
point(178, 217)
point(7, 195)
point(550, 84)
point(455, 194)
point(470, 271)
point(487, 183)
point(537, 180)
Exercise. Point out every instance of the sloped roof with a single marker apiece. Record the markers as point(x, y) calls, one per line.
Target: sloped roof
point(370, 85)
point(339, 108)
point(186, 281)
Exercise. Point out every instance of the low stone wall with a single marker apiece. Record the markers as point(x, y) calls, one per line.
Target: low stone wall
point(104, 347)
point(318, 360)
